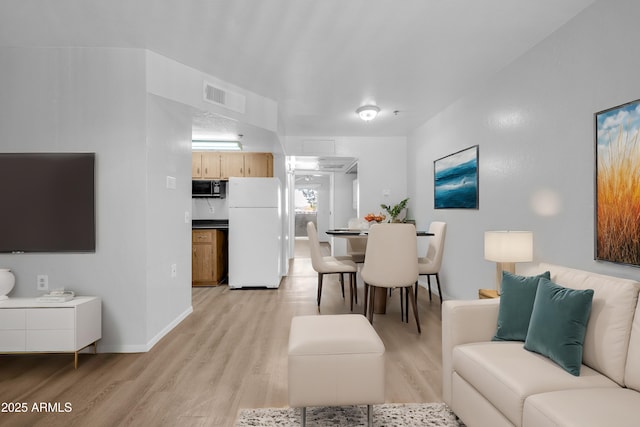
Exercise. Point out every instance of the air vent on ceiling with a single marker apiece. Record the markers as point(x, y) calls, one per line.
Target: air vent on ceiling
point(225, 98)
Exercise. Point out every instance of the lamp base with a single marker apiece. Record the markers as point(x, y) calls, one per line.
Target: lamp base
point(509, 267)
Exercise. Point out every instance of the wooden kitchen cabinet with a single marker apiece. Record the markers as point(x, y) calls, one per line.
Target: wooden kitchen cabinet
point(209, 257)
point(224, 165)
point(206, 165)
point(258, 164)
point(232, 164)
point(196, 165)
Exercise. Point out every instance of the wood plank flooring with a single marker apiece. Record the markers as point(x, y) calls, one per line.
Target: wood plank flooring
point(230, 353)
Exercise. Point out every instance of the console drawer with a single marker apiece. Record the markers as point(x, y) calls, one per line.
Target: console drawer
point(12, 318)
point(50, 318)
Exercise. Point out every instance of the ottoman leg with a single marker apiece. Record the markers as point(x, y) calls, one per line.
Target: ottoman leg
point(370, 415)
point(303, 420)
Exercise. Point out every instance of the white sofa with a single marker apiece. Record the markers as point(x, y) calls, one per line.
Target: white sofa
point(499, 383)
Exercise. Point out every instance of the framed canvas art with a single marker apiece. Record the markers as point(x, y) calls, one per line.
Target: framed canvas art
point(617, 209)
point(455, 179)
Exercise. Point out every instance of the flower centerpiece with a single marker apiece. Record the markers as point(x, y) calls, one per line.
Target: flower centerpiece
point(374, 218)
point(395, 210)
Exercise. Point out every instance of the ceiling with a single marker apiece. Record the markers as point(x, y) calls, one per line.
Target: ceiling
point(319, 59)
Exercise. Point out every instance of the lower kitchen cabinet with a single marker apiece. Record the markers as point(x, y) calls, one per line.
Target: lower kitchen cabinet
point(209, 257)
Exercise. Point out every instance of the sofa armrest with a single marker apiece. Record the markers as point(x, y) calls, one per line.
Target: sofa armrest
point(465, 322)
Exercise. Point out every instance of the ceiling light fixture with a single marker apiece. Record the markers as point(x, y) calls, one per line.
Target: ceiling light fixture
point(368, 112)
point(202, 144)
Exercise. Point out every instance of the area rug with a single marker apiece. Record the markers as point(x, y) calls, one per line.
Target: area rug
point(386, 415)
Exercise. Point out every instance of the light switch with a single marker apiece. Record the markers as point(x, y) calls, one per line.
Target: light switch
point(386, 193)
point(171, 182)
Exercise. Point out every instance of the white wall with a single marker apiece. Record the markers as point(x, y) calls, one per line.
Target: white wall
point(382, 166)
point(168, 233)
point(95, 100)
point(534, 124)
point(89, 100)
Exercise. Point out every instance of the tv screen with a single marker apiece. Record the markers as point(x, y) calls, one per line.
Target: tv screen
point(47, 202)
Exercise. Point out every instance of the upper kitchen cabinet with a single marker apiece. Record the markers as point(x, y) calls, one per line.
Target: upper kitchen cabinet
point(232, 165)
point(258, 164)
point(206, 165)
point(224, 165)
point(246, 164)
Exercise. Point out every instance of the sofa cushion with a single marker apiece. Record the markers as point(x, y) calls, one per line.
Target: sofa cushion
point(516, 303)
point(558, 324)
point(632, 373)
point(583, 408)
point(606, 342)
point(506, 374)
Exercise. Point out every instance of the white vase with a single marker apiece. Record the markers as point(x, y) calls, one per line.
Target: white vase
point(7, 280)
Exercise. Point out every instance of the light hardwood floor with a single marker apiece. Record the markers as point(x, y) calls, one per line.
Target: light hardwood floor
point(230, 353)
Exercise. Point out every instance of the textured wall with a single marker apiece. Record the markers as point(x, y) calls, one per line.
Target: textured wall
point(534, 124)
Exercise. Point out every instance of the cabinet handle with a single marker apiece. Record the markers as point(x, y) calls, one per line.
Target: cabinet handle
point(206, 171)
point(198, 171)
point(249, 171)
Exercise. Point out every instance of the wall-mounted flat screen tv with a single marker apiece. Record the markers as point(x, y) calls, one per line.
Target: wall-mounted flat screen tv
point(47, 202)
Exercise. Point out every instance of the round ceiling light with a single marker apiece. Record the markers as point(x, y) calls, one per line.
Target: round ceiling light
point(368, 112)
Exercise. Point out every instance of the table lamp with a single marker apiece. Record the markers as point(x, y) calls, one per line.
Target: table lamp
point(506, 248)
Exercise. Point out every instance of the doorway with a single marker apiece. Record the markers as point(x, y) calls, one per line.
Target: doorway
point(322, 190)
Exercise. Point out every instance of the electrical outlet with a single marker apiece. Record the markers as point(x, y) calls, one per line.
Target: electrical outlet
point(187, 217)
point(43, 282)
point(173, 270)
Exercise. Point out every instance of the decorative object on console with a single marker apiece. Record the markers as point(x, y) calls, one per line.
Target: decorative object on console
point(455, 180)
point(617, 198)
point(506, 248)
point(57, 295)
point(7, 281)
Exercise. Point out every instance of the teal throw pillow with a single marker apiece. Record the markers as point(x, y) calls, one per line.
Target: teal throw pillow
point(516, 303)
point(559, 323)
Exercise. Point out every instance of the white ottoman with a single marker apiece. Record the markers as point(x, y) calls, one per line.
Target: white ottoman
point(335, 360)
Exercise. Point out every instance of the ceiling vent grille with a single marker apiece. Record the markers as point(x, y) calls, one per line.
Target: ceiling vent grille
point(231, 100)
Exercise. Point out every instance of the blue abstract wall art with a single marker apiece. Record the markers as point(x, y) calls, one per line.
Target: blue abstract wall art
point(456, 180)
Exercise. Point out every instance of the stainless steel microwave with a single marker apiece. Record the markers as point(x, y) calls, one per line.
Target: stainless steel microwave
point(208, 188)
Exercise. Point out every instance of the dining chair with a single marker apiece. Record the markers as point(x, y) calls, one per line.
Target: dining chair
point(391, 261)
point(430, 264)
point(330, 265)
point(356, 247)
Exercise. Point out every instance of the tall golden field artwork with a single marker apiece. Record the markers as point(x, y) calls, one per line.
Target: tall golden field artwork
point(618, 184)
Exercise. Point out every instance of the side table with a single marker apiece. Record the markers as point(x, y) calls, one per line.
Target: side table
point(488, 293)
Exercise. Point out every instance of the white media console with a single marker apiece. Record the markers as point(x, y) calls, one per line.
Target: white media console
point(29, 326)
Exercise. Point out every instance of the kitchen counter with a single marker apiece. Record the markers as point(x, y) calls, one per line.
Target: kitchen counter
point(216, 224)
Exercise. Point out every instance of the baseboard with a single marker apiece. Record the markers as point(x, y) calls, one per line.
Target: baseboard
point(145, 348)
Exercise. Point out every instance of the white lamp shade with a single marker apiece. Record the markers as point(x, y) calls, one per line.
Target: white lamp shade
point(508, 246)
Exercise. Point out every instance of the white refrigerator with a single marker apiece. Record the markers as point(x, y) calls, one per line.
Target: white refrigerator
point(255, 232)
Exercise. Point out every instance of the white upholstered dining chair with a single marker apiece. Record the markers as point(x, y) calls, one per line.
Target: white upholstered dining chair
point(430, 264)
point(330, 265)
point(391, 261)
point(356, 247)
